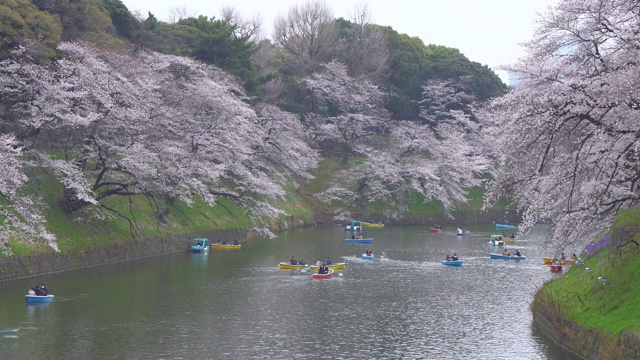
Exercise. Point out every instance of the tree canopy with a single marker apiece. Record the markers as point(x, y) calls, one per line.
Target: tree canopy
point(569, 130)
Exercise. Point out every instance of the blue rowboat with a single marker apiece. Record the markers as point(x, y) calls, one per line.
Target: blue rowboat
point(367, 257)
point(504, 226)
point(506, 257)
point(465, 233)
point(33, 299)
point(452, 263)
point(360, 241)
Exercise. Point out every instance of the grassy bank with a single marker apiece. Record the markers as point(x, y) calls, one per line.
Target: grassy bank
point(601, 303)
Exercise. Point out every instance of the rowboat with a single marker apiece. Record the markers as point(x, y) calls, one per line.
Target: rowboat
point(199, 245)
point(336, 266)
point(367, 257)
point(288, 266)
point(361, 241)
point(435, 230)
point(372, 225)
point(504, 226)
point(452, 263)
point(464, 233)
point(225, 246)
point(328, 275)
point(34, 299)
point(549, 261)
point(506, 257)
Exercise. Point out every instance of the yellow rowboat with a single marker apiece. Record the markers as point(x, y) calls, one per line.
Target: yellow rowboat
point(549, 261)
point(225, 246)
point(372, 225)
point(288, 266)
point(336, 266)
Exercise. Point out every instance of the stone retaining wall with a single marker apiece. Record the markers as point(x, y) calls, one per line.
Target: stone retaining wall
point(584, 343)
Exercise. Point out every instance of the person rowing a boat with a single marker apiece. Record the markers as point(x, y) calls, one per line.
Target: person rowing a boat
point(368, 252)
point(447, 258)
point(506, 252)
point(318, 262)
point(518, 253)
point(328, 262)
point(293, 261)
point(454, 257)
point(301, 261)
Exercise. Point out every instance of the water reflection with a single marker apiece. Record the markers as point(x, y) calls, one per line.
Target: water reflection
point(240, 305)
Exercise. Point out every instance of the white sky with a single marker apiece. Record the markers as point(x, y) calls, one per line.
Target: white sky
point(486, 31)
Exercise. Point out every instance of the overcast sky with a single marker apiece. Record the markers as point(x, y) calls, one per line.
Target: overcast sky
point(486, 31)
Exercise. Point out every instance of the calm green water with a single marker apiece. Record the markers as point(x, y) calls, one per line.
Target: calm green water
point(239, 305)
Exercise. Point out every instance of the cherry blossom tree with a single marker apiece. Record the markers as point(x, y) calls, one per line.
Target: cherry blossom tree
point(409, 158)
point(345, 112)
point(165, 127)
point(22, 213)
point(567, 134)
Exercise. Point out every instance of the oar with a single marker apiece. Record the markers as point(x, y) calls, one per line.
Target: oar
point(9, 330)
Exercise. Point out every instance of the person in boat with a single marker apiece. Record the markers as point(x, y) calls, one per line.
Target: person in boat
point(506, 222)
point(235, 242)
point(44, 289)
point(368, 252)
point(574, 257)
point(328, 262)
point(360, 236)
point(506, 252)
point(39, 291)
point(353, 236)
point(301, 261)
point(454, 257)
point(323, 269)
point(32, 291)
point(293, 261)
point(518, 253)
point(437, 227)
point(459, 231)
point(512, 236)
point(198, 243)
point(318, 262)
point(562, 256)
point(447, 258)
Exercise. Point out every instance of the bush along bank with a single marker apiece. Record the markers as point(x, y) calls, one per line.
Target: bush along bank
point(36, 264)
point(592, 310)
